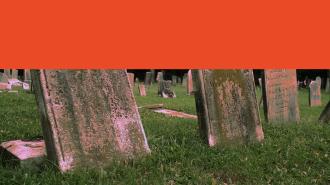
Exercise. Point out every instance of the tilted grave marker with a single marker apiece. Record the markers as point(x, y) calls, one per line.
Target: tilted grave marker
point(325, 115)
point(227, 107)
point(164, 89)
point(89, 117)
point(142, 90)
point(190, 88)
point(280, 96)
point(315, 94)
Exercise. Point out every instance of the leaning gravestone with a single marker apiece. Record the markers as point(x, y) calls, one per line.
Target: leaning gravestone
point(131, 79)
point(325, 115)
point(190, 89)
point(164, 89)
point(280, 96)
point(89, 117)
point(147, 79)
point(227, 107)
point(315, 94)
point(142, 90)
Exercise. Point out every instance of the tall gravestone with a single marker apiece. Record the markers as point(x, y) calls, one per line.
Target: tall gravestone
point(153, 75)
point(147, 79)
point(184, 79)
point(131, 79)
point(325, 115)
point(164, 89)
point(89, 117)
point(227, 107)
point(315, 93)
point(7, 73)
point(280, 96)
point(190, 89)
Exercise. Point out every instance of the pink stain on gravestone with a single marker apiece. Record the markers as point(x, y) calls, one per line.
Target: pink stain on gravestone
point(89, 117)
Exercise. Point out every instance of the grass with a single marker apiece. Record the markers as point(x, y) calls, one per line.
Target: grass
point(290, 153)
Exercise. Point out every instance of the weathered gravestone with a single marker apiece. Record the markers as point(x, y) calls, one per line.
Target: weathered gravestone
point(131, 79)
point(7, 73)
point(184, 79)
point(227, 107)
point(164, 89)
point(325, 115)
point(142, 90)
point(327, 87)
point(3, 78)
point(89, 117)
point(315, 94)
point(260, 86)
point(14, 74)
point(280, 96)
point(147, 79)
point(174, 79)
point(159, 76)
point(190, 89)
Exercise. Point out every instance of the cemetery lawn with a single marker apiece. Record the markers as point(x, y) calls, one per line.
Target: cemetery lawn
point(290, 153)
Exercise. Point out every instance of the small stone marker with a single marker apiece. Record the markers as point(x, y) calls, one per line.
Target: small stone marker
point(165, 90)
point(325, 115)
point(190, 89)
point(142, 90)
point(28, 154)
point(159, 76)
point(280, 96)
point(89, 117)
point(131, 79)
point(147, 80)
point(227, 107)
point(315, 94)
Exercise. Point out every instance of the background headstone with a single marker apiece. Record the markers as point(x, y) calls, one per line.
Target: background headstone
point(89, 117)
point(142, 90)
point(153, 75)
point(327, 87)
point(147, 80)
point(260, 86)
point(227, 107)
point(7, 72)
point(131, 79)
point(315, 94)
point(164, 89)
point(190, 89)
point(174, 80)
point(159, 76)
point(14, 74)
point(184, 79)
point(325, 115)
point(280, 96)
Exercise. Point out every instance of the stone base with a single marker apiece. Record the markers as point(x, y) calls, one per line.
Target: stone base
point(27, 154)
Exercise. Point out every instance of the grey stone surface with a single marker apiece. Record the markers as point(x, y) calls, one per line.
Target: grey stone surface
point(315, 94)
